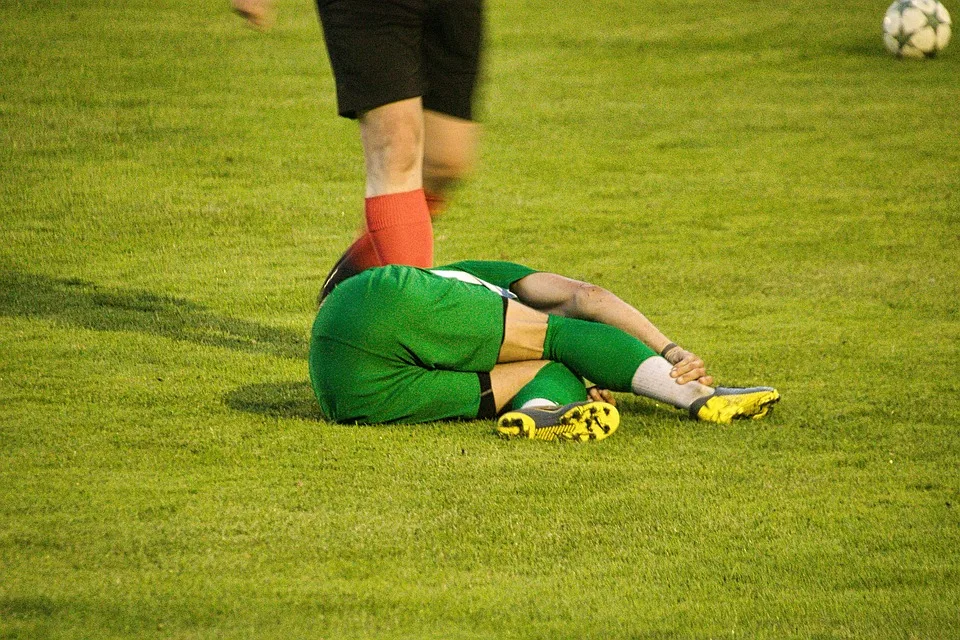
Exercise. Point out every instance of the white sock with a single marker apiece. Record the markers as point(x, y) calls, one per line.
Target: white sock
point(535, 403)
point(653, 380)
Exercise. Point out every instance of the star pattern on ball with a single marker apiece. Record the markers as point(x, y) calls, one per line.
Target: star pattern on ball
point(933, 20)
point(903, 4)
point(916, 28)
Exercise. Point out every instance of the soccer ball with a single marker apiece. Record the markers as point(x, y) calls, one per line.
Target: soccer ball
point(916, 28)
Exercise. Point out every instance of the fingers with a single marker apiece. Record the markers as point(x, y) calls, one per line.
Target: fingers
point(601, 395)
point(690, 368)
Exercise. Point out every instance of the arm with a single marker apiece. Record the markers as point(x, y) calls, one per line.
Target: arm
point(558, 295)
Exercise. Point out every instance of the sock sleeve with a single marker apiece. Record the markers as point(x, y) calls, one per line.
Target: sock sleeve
point(602, 354)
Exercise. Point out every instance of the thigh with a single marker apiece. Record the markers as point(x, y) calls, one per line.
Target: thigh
point(412, 316)
point(355, 386)
point(375, 49)
point(449, 324)
point(452, 49)
point(524, 333)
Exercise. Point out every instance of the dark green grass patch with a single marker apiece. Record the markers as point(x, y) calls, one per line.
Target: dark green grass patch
point(775, 191)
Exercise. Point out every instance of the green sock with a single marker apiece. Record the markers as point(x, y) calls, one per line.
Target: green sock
point(555, 383)
point(604, 355)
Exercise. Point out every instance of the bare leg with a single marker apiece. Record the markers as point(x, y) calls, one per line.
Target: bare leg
point(392, 137)
point(397, 228)
point(406, 148)
point(449, 152)
point(506, 380)
point(524, 333)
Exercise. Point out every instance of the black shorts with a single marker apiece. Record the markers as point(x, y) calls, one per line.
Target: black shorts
point(382, 51)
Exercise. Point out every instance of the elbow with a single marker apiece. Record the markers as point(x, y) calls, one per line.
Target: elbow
point(588, 299)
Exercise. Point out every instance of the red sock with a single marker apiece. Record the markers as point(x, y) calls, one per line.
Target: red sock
point(436, 203)
point(361, 253)
point(359, 256)
point(400, 229)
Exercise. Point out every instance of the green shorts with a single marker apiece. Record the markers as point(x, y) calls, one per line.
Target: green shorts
point(400, 344)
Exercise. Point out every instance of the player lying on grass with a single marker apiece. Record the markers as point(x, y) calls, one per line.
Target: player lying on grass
point(480, 339)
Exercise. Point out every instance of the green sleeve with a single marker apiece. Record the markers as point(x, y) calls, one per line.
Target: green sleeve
point(502, 274)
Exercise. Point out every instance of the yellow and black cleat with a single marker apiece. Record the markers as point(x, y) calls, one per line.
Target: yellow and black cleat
point(731, 403)
point(576, 422)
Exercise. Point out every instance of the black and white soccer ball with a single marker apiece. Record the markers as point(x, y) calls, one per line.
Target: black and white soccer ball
point(916, 28)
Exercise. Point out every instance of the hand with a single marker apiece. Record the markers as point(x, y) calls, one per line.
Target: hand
point(687, 367)
point(259, 13)
point(601, 395)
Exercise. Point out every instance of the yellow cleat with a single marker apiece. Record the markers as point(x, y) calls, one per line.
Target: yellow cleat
point(731, 403)
point(576, 422)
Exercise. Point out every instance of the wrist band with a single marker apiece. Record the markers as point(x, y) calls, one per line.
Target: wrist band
point(671, 346)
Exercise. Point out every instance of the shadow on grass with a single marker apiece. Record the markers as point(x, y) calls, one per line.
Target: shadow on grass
point(90, 306)
point(866, 48)
point(295, 400)
point(281, 400)
point(26, 607)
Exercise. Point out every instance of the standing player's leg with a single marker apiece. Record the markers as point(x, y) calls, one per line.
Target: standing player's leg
point(384, 54)
point(405, 148)
point(413, 159)
point(452, 50)
point(397, 221)
point(397, 217)
point(375, 49)
point(449, 154)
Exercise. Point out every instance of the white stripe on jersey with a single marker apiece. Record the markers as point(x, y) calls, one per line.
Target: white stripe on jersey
point(463, 276)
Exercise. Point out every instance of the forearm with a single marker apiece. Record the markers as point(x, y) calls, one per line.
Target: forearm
point(600, 305)
point(558, 295)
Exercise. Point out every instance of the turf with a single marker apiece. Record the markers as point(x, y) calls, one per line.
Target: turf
point(771, 187)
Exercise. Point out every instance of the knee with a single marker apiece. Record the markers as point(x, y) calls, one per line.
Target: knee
point(449, 149)
point(589, 298)
point(393, 146)
point(452, 166)
point(445, 163)
point(396, 152)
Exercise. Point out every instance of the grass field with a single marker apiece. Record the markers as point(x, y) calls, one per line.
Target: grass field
point(761, 179)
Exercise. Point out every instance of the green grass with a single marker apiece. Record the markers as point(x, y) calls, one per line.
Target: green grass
point(765, 182)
